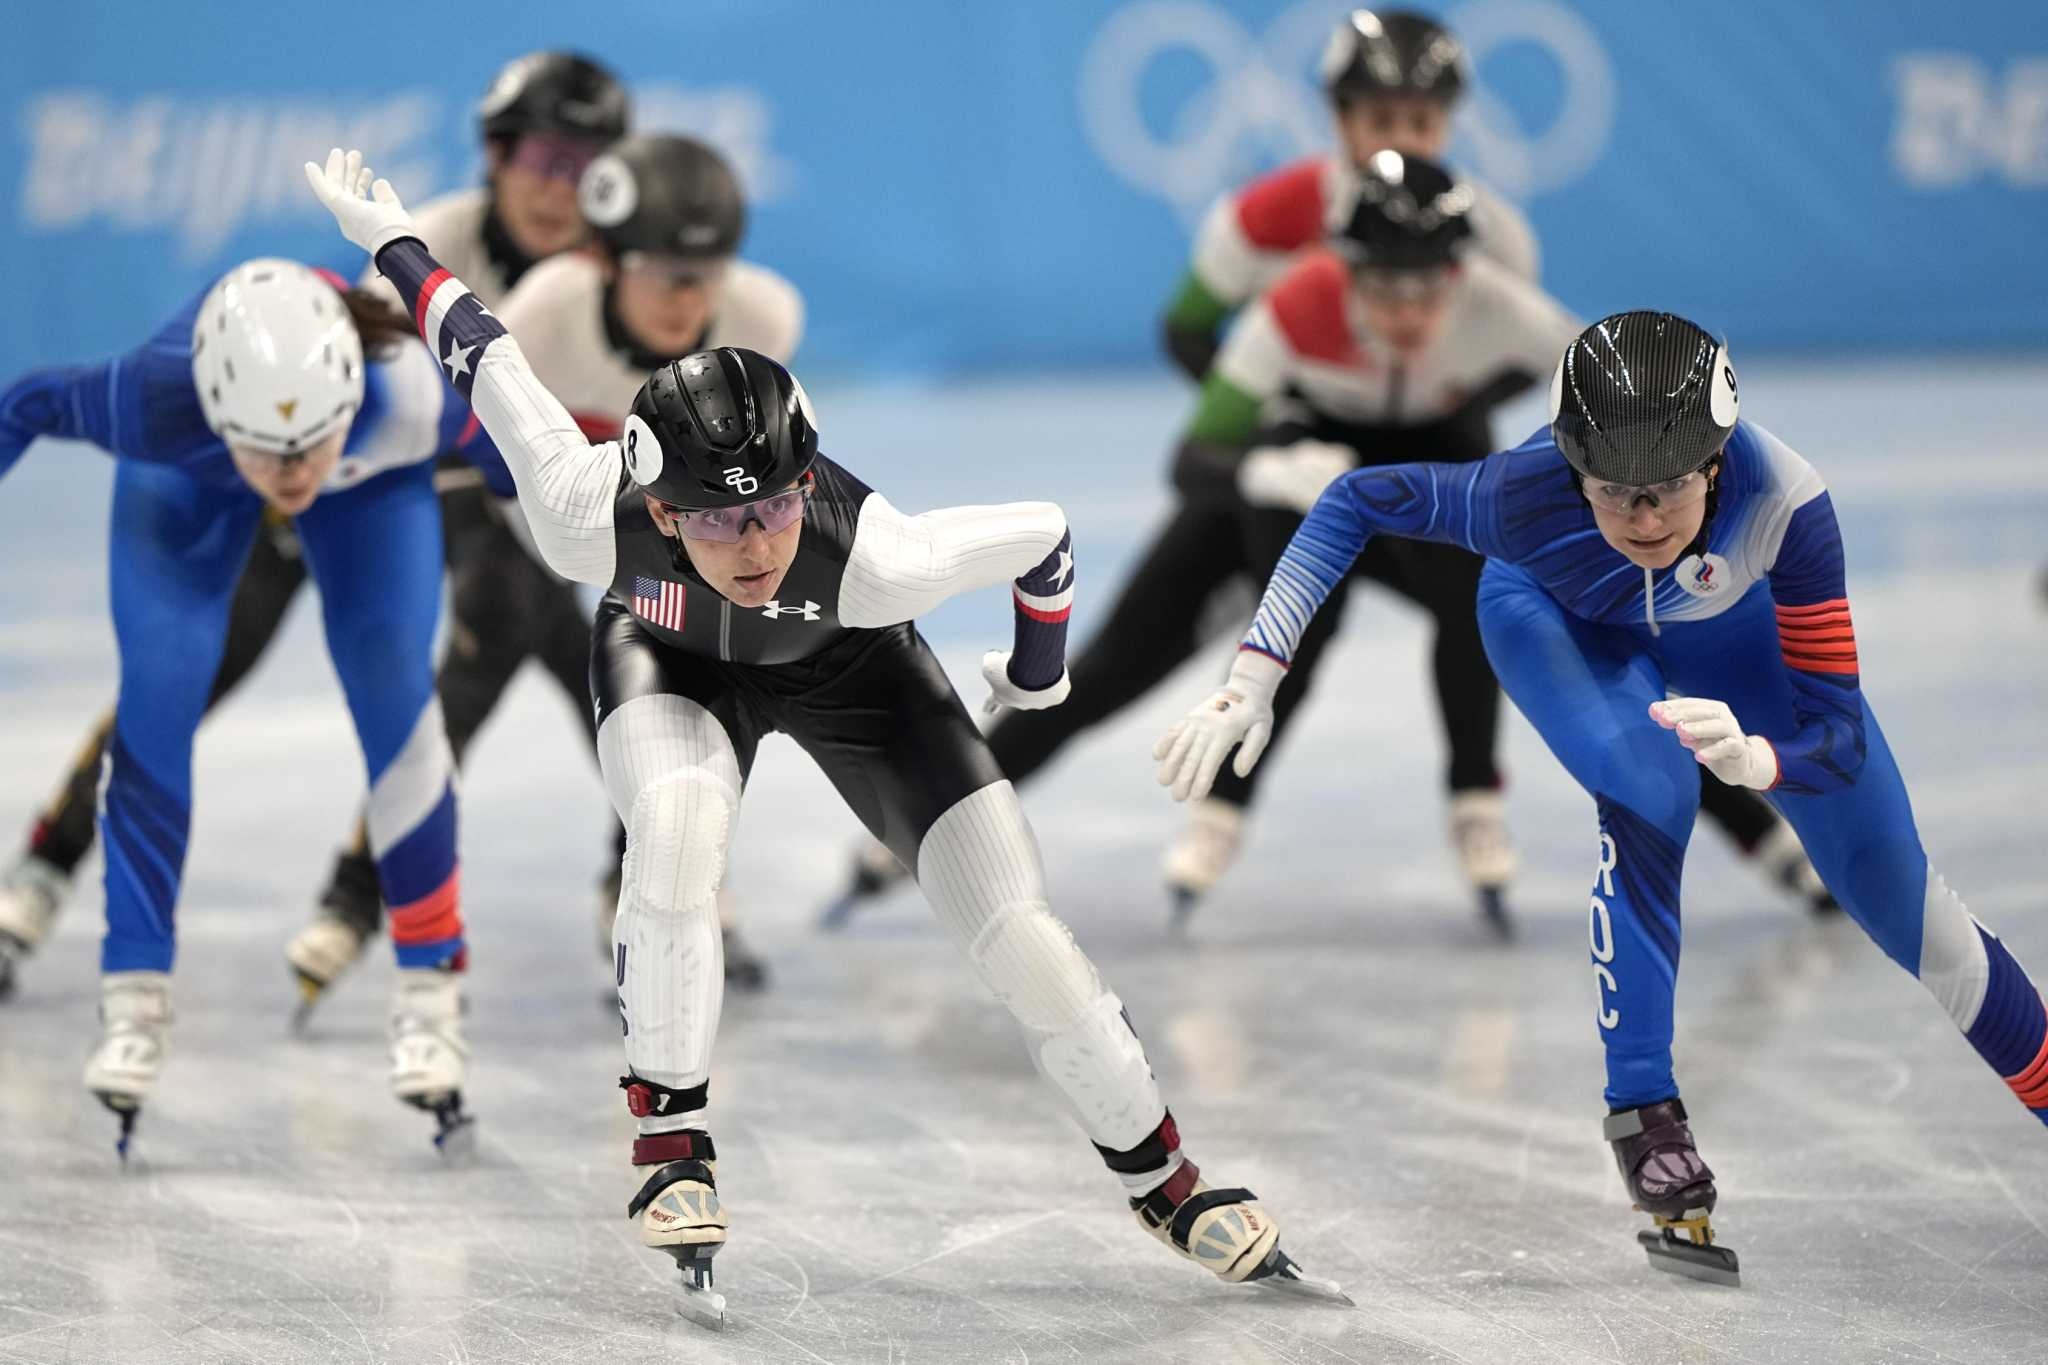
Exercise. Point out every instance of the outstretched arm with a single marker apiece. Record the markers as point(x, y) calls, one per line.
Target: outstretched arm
point(66, 402)
point(566, 485)
point(903, 566)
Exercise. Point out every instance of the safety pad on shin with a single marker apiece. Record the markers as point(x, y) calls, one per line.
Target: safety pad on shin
point(1099, 1066)
point(671, 962)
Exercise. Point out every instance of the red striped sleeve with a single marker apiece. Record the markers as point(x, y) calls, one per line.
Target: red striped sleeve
point(1818, 637)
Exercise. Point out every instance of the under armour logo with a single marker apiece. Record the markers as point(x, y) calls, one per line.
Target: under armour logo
point(809, 610)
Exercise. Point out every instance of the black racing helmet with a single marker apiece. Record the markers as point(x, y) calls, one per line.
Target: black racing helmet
point(664, 194)
point(1410, 214)
point(554, 92)
point(1642, 397)
point(1392, 52)
point(719, 428)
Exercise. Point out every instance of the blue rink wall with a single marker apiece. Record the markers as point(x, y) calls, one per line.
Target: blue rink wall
point(971, 187)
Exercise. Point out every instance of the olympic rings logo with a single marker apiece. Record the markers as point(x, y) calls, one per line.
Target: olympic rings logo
point(1261, 100)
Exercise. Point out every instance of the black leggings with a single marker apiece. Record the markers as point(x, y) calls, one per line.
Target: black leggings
point(878, 715)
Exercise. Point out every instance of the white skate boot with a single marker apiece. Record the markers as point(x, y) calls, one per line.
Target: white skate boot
point(135, 1036)
point(318, 953)
point(1203, 852)
point(429, 1059)
point(30, 895)
point(1226, 1232)
point(678, 1207)
point(1479, 831)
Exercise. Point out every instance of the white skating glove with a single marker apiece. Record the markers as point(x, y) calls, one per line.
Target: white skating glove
point(1293, 476)
point(1710, 730)
point(1238, 715)
point(369, 213)
point(995, 671)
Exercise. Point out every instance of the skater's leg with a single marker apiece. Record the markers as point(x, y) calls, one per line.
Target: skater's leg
point(175, 551)
point(176, 547)
point(1587, 689)
point(899, 746)
point(376, 552)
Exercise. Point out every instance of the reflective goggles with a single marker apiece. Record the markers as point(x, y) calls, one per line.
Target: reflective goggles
point(552, 156)
point(777, 512)
point(1404, 286)
point(1667, 496)
point(675, 272)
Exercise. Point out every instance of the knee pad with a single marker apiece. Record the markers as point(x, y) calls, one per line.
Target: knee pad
point(1099, 1066)
point(1030, 960)
point(1953, 964)
point(676, 839)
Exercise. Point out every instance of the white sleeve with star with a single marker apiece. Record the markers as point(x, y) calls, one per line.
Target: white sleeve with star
point(902, 566)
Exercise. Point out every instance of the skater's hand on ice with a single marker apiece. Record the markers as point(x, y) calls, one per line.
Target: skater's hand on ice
point(1710, 730)
point(1294, 476)
point(369, 213)
point(995, 670)
point(1238, 715)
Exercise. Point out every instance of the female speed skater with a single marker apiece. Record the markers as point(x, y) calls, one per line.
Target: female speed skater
point(1664, 584)
point(276, 389)
point(755, 586)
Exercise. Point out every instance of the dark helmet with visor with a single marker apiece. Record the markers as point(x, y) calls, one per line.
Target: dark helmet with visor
point(664, 195)
point(563, 93)
point(719, 428)
point(1641, 398)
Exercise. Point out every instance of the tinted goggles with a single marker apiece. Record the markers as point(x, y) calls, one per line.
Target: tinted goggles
point(776, 512)
point(1667, 496)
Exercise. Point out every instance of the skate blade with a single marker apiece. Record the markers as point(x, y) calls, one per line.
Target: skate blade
point(698, 1301)
point(127, 1108)
point(1180, 909)
point(310, 991)
point(1677, 1256)
point(1282, 1273)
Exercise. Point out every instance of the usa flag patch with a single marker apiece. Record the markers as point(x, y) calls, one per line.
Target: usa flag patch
point(659, 602)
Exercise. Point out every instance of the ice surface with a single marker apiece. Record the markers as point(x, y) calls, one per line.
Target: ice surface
point(1419, 1107)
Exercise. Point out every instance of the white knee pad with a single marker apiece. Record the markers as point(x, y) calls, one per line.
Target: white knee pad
point(676, 840)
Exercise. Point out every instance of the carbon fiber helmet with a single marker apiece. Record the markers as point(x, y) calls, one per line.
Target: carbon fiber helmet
point(1409, 215)
point(554, 92)
point(664, 194)
point(1392, 52)
point(719, 428)
point(1642, 397)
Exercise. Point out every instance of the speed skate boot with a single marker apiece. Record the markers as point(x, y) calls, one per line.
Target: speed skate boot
point(1666, 1179)
point(875, 870)
point(1479, 831)
point(1203, 852)
point(677, 1203)
point(1225, 1231)
point(30, 895)
point(429, 1058)
point(135, 1036)
point(332, 941)
point(1784, 860)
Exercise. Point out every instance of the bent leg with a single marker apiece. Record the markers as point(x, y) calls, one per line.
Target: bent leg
point(1587, 689)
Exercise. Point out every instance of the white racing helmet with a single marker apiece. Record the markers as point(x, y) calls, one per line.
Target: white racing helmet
point(276, 359)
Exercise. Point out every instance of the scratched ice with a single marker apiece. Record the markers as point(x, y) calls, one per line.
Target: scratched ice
point(1419, 1107)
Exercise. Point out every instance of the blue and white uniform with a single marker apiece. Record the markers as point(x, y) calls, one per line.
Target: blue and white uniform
point(1586, 641)
point(183, 524)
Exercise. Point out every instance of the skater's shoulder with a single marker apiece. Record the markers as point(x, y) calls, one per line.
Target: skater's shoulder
point(760, 310)
point(1283, 209)
point(1310, 305)
point(1759, 464)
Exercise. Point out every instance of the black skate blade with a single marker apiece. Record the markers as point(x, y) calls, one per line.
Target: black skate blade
point(454, 1126)
point(1181, 902)
point(126, 1110)
point(1282, 1273)
point(1679, 1256)
point(1493, 909)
